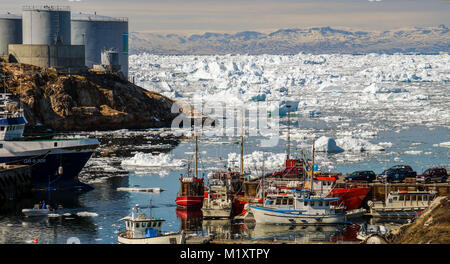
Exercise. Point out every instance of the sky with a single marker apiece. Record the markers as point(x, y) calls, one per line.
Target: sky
point(199, 16)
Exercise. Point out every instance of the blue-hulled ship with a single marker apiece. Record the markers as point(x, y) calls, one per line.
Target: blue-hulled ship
point(55, 163)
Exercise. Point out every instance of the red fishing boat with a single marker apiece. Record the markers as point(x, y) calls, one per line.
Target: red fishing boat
point(191, 193)
point(192, 189)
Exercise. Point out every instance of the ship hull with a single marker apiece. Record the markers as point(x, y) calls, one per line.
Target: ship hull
point(164, 239)
point(52, 168)
point(351, 197)
point(213, 213)
point(189, 201)
point(269, 216)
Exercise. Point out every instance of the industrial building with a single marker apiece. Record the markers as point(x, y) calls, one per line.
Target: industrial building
point(10, 31)
point(100, 33)
point(51, 36)
point(64, 58)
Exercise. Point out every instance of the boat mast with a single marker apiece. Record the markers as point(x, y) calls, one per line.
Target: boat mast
point(312, 166)
point(242, 143)
point(262, 187)
point(289, 133)
point(196, 156)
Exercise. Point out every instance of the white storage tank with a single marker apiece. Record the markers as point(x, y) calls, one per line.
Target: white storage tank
point(46, 25)
point(10, 31)
point(99, 33)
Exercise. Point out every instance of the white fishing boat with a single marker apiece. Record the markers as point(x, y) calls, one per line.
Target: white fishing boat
point(299, 207)
point(401, 204)
point(217, 204)
point(143, 230)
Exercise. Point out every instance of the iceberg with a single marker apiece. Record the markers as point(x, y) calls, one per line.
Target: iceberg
point(327, 144)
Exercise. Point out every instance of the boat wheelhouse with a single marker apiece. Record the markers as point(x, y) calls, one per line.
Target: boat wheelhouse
point(217, 203)
point(191, 193)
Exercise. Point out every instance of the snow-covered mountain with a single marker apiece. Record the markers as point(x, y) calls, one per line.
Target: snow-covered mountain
point(315, 40)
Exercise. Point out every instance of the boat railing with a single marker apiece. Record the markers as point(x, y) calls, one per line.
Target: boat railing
point(353, 184)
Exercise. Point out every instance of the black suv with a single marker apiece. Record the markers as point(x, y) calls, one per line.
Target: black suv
point(368, 176)
point(433, 175)
point(397, 173)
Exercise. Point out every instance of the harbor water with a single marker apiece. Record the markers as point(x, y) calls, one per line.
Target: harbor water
point(93, 217)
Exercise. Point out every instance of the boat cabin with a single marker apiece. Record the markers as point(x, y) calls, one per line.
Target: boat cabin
point(400, 199)
point(11, 125)
point(139, 226)
point(191, 186)
point(323, 184)
point(303, 201)
point(280, 201)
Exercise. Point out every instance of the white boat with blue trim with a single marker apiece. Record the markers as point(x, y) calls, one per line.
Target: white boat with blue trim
point(299, 208)
point(143, 230)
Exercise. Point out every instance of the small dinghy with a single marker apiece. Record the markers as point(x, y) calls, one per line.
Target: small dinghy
point(37, 210)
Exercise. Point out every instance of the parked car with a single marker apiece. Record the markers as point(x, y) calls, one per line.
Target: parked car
point(433, 175)
point(397, 173)
point(368, 176)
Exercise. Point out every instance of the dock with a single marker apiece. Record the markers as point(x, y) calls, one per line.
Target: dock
point(15, 181)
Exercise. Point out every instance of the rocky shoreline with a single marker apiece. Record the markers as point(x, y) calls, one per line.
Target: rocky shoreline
point(431, 227)
point(83, 102)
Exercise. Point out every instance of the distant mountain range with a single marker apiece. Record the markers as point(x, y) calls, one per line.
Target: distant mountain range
point(315, 40)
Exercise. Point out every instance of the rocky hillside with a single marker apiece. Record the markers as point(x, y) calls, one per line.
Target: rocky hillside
point(432, 227)
point(315, 40)
point(91, 101)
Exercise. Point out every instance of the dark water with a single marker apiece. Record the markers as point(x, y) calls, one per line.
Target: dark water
point(93, 217)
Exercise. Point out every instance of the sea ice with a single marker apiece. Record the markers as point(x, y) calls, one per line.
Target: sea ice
point(253, 162)
point(413, 152)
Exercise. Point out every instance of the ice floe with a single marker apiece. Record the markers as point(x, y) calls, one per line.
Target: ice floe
point(86, 214)
point(445, 144)
point(149, 160)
